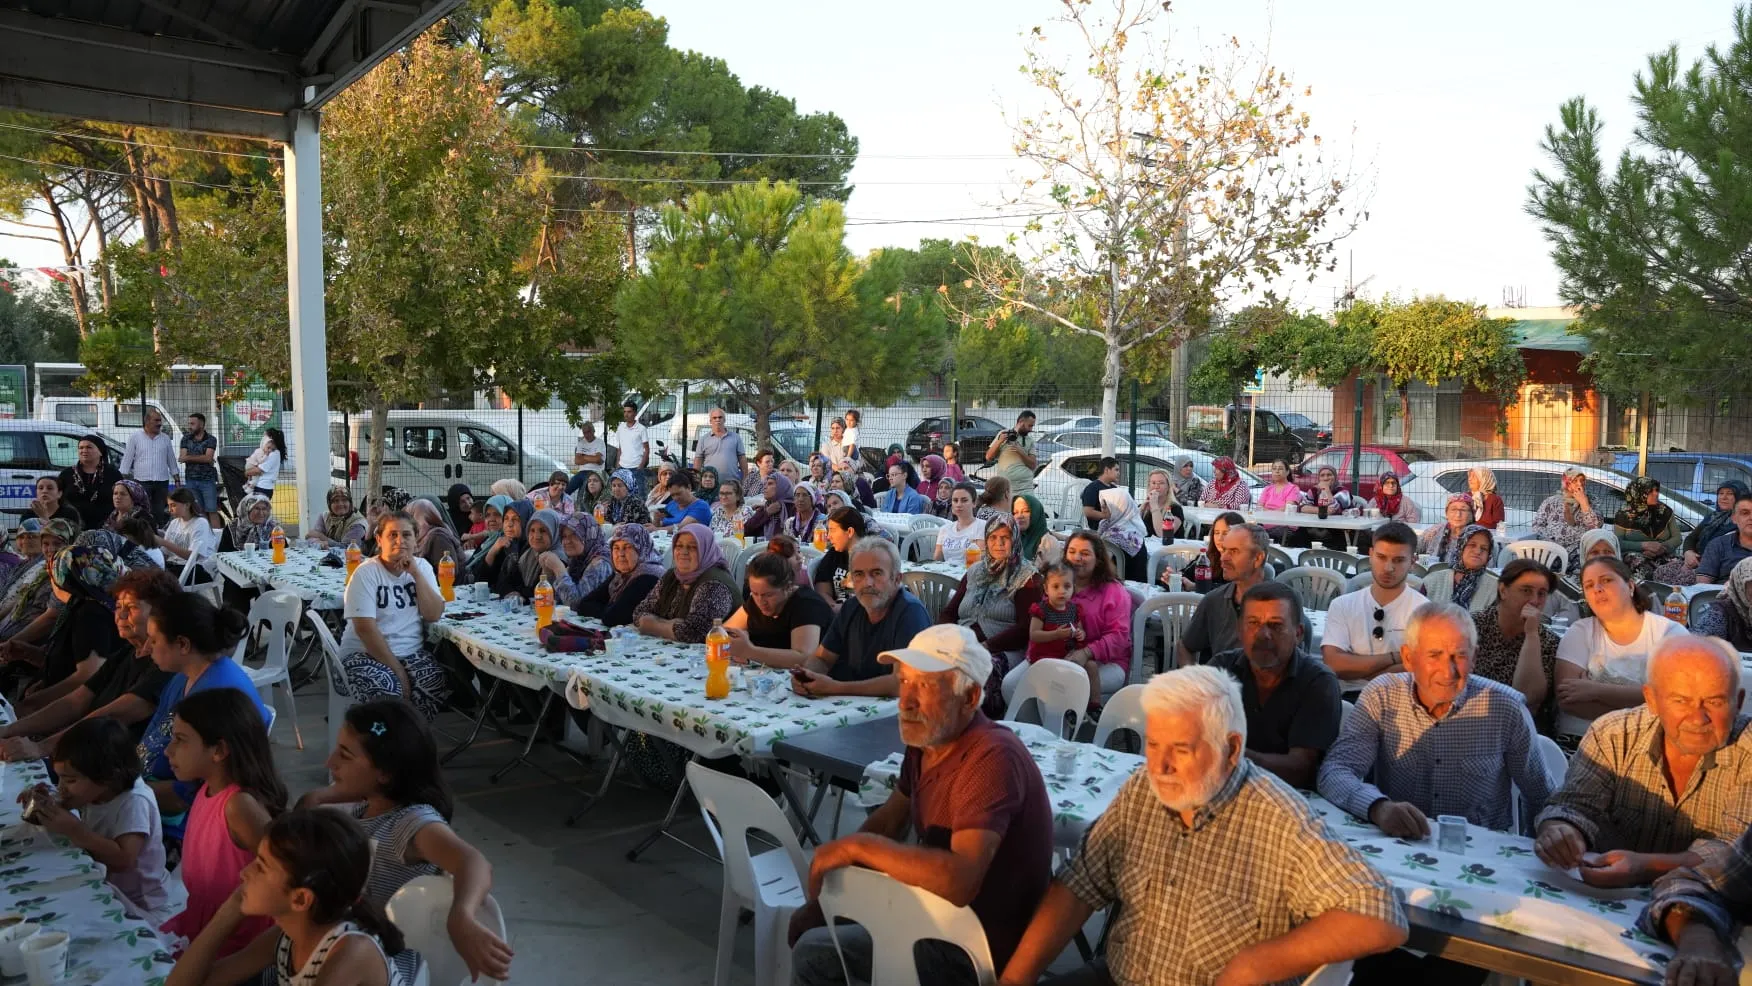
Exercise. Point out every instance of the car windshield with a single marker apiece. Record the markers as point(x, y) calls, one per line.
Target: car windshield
point(1411, 455)
point(1294, 420)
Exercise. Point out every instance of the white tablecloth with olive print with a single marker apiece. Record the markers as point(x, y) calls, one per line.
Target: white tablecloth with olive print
point(502, 642)
point(1077, 799)
point(322, 586)
point(1499, 882)
point(61, 888)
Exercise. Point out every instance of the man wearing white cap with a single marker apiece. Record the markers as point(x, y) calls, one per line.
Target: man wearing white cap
point(971, 793)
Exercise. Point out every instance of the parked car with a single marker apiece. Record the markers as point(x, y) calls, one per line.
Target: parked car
point(973, 434)
point(1227, 431)
point(1066, 424)
point(425, 453)
point(1121, 441)
point(31, 449)
point(1525, 483)
point(1695, 474)
point(1312, 435)
point(1376, 459)
point(1059, 482)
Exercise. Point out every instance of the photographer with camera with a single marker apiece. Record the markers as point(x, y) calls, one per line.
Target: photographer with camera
point(1013, 450)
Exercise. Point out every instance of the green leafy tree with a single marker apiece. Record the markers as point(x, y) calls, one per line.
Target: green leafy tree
point(35, 324)
point(1656, 253)
point(753, 287)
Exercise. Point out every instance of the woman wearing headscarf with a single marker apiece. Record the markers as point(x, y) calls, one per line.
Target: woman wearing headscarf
point(1227, 490)
point(130, 500)
point(1601, 541)
point(708, 481)
point(1124, 529)
point(1646, 527)
point(1471, 564)
point(458, 501)
point(806, 516)
point(540, 534)
point(1442, 540)
point(1683, 570)
point(1033, 543)
point(498, 564)
point(1486, 505)
point(993, 600)
point(433, 539)
point(254, 523)
point(818, 469)
point(494, 514)
point(658, 498)
point(132, 555)
point(24, 592)
point(85, 628)
point(594, 492)
point(694, 594)
point(1391, 500)
point(769, 518)
point(586, 562)
point(637, 567)
point(1566, 515)
point(508, 487)
point(1188, 488)
point(342, 524)
point(932, 468)
point(1730, 616)
point(624, 505)
point(942, 504)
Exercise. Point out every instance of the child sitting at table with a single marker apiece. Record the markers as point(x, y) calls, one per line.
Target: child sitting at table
point(218, 740)
point(307, 881)
point(385, 768)
point(1052, 622)
point(99, 771)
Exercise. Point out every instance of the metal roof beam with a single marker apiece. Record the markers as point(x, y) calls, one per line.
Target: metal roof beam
point(369, 33)
point(20, 28)
point(220, 29)
point(116, 107)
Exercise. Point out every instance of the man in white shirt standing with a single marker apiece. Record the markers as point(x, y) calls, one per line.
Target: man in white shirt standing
point(589, 455)
point(1365, 628)
point(150, 460)
point(630, 438)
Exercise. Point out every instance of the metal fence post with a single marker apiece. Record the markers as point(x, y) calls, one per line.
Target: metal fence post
point(818, 412)
point(955, 412)
point(1357, 434)
point(1131, 465)
point(520, 441)
point(684, 432)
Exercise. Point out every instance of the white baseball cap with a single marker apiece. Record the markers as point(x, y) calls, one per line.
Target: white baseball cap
point(944, 647)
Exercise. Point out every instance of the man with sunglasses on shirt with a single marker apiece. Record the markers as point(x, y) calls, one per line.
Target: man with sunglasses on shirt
point(1365, 628)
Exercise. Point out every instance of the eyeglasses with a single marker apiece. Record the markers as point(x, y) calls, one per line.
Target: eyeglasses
point(1379, 631)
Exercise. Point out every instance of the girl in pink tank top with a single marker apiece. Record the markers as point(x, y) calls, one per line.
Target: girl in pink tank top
point(218, 739)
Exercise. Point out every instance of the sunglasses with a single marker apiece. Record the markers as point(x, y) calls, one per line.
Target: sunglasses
point(1379, 631)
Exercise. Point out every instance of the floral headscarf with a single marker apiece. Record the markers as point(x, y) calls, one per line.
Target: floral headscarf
point(396, 498)
point(1638, 514)
point(1739, 589)
point(710, 554)
point(1225, 475)
point(243, 531)
point(990, 579)
point(61, 527)
point(142, 504)
point(1123, 527)
point(628, 479)
point(650, 562)
point(1466, 579)
point(131, 554)
point(589, 532)
point(85, 570)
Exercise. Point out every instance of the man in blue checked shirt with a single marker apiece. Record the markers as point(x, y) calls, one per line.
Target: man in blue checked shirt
point(1437, 739)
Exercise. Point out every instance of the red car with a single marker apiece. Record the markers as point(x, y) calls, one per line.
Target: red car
point(1376, 459)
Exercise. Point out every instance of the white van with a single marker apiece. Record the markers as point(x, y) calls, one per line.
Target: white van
point(30, 449)
point(427, 452)
point(114, 420)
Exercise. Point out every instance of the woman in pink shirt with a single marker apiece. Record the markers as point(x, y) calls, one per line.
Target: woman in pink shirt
point(1104, 610)
point(1282, 494)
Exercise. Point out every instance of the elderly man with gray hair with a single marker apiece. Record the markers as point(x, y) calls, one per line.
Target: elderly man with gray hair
point(886, 617)
point(970, 792)
point(1223, 873)
point(1437, 739)
point(1662, 785)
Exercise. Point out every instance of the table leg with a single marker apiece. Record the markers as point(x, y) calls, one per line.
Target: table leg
point(805, 817)
point(547, 701)
point(592, 799)
point(480, 720)
point(681, 793)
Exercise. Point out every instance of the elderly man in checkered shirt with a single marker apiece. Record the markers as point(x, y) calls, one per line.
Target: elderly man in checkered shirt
point(1222, 872)
point(1661, 785)
point(1437, 739)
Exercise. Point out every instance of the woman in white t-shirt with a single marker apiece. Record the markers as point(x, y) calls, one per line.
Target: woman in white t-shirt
point(1603, 660)
point(963, 528)
point(188, 534)
point(389, 601)
point(262, 469)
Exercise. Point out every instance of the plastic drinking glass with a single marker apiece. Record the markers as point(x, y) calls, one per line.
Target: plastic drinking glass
point(11, 959)
point(45, 957)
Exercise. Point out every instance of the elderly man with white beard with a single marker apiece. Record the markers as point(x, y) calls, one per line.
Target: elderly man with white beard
point(1223, 872)
point(970, 793)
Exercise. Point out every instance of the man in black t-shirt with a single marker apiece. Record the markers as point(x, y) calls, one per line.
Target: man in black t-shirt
point(125, 688)
point(1107, 478)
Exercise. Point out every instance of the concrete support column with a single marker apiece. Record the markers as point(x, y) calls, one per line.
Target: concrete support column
point(309, 332)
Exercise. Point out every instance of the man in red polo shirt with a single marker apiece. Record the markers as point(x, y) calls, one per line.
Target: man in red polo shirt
point(971, 791)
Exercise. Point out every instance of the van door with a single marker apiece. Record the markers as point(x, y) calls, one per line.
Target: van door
point(484, 458)
point(427, 460)
point(23, 458)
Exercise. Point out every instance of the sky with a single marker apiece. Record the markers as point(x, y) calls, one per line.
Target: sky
point(1441, 107)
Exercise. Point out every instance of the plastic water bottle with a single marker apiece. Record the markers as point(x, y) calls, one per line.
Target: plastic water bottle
point(1678, 610)
point(717, 662)
point(354, 557)
point(543, 599)
point(1202, 571)
point(447, 577)
point(278, 541)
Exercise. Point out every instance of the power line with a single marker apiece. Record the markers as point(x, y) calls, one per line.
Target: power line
point(774, 154)
point(123, 174)
point(737, 181)
point(136, 143)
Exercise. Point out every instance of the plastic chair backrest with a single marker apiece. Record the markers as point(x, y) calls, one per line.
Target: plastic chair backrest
point(1115, 556)
point(1058, 687)
point(331, 651)
point(1175, 609)
point(271, 716)
point(1173, 555)
point(1339, 561)
point(1556, 764)
point(1125, 710)
point(421, 910)
point(729, 547)
point(932, 589)
point(739, 567)
point(1548, 553)
point(733, 807)
point(1699, 602)
point(279, 609)
point(921, 521)
point(1275, 555)
point(918, 544)
point(1331, 974)
point(896, 916)
point(1345, 711)
point(1316, 587)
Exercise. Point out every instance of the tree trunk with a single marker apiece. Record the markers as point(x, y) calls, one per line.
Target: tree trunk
point(374, 471)
point(75, 282)
point(1110, 394)
point(632, 239)
point(1405, 416)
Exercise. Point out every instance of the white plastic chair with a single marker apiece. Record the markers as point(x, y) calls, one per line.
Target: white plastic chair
point(1058, 687)
point(932, 589)
point(1174, 556)
point(1316, 587)
point(421, 910)
point(196, 566)
point(1548, 553)
point(1556, 764)
point(1175, 609)
point(338, 698)
point(897, 916)
point(1125, 710)
point(279, 609)
point(729, 547)
point(770, 884)
point(739, 566)
point(1439, 585)
point(1341, 562)
point(919, 544)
